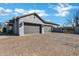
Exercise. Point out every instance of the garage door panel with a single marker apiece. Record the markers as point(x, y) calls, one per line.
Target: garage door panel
point(28, 29)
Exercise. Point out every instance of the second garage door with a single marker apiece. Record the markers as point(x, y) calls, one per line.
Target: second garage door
point(31, 28)
point(47, 29)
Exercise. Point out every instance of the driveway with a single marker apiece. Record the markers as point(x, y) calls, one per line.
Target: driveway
point(48, 44)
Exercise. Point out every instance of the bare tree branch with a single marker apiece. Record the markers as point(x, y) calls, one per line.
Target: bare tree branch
point(73, 18)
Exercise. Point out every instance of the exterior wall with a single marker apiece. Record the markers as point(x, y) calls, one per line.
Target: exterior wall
point(77, 30)
point(31, 19)
point(15, 27)
point(47, 29)
point(31, 28)
point(21, 29)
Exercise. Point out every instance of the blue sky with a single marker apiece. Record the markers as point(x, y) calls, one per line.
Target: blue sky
point(53, 12)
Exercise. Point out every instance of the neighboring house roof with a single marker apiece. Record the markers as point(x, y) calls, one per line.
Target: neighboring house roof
point(46, 22)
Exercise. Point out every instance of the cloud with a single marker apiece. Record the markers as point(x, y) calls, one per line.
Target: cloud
point(63, 13)
point(62, 9)
point(20, 11)
point(4, 11)
point(23, 11)
point(39, 12)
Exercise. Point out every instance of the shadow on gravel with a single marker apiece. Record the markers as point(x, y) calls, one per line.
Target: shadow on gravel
point(6, 34)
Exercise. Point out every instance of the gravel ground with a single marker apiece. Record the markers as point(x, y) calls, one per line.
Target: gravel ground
point(49, 44)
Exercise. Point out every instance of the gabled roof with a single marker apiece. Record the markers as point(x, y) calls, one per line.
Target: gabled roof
point(46, 22)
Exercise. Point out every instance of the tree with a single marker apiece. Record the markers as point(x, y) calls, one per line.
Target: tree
point(73, 19)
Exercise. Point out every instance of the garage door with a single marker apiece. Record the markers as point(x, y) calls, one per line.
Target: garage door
point(31, 28)
point(47, 29)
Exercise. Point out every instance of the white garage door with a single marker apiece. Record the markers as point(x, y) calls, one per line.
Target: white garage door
point(47, 28)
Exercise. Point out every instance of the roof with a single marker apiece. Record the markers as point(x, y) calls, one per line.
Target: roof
point(46, 22)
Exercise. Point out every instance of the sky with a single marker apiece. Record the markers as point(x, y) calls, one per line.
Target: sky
point(53, 12)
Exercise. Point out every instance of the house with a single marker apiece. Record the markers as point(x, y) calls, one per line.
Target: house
point(29, 24)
